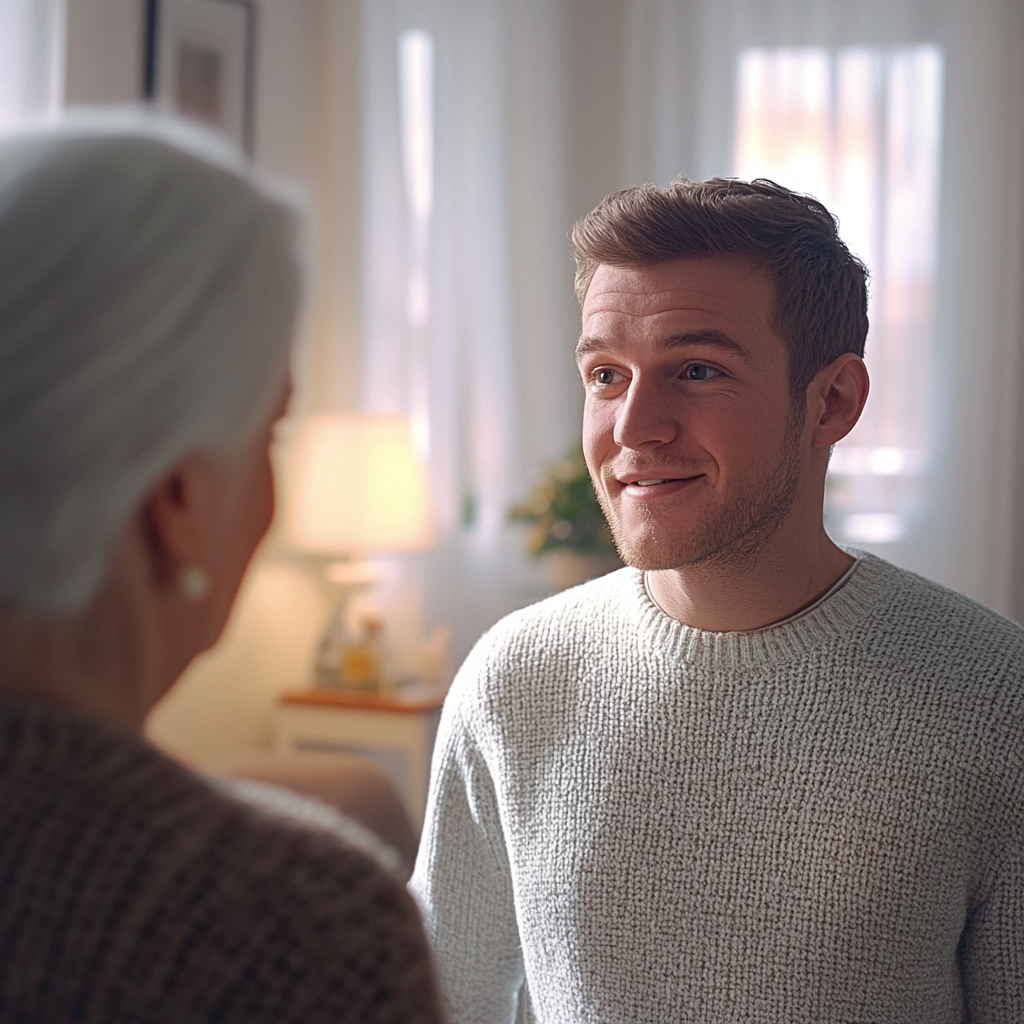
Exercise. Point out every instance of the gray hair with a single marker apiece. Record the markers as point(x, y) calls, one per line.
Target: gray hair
point(149, 286)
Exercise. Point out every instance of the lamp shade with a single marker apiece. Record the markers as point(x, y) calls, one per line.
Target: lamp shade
point(357, 488)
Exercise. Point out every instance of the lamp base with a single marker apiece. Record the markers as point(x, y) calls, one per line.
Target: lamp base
point(351, 657)
point(351, 576)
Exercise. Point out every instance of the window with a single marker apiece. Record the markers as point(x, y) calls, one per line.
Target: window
point(860, 129)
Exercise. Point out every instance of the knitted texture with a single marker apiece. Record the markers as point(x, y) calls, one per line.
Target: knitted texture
point(821, 821)
point(133, 891)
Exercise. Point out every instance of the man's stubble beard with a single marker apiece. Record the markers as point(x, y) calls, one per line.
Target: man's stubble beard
point(735, 533)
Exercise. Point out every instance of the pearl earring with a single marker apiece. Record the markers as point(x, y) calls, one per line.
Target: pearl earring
point(193, 581)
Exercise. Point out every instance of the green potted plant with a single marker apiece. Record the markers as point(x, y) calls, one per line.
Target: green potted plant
point(565, 525)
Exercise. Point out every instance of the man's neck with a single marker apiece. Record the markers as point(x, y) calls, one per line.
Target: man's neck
point(736, 592)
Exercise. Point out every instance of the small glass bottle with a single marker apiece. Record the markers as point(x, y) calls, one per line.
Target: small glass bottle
point(362, 659)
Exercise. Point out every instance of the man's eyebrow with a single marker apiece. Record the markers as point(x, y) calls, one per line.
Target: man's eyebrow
point(709, 338)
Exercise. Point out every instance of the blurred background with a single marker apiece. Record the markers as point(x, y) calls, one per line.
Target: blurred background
point(446, 146)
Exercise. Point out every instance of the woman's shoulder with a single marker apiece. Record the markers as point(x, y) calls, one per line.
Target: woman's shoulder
point(155, 880)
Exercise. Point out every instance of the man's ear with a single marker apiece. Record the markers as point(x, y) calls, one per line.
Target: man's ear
point(835, 399)
point(176, 517)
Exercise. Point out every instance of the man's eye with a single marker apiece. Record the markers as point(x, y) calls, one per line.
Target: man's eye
point(701, 371)
point(606, 376)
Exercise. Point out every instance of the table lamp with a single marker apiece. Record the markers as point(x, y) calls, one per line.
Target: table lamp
point(356, 489)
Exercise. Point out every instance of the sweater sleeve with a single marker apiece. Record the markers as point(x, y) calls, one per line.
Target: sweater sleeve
point(463, 883)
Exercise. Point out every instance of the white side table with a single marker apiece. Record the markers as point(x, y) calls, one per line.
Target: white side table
point(397, 734)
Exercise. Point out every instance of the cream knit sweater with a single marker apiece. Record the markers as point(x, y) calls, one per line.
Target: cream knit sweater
point(134, 892)
point(821, 821)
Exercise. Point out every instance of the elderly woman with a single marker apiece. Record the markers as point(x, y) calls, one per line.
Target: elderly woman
point(149, 282)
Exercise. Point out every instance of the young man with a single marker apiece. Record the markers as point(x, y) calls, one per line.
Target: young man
point(753, 776)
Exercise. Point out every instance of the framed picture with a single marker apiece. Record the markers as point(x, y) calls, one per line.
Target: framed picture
point(199, 62)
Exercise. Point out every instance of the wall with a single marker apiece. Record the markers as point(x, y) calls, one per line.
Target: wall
point(104, 51)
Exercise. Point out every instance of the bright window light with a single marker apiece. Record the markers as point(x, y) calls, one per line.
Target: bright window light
point(849, 460)
point(416, 118)
point(874, 527)
point(860, 129)
point(416, 96)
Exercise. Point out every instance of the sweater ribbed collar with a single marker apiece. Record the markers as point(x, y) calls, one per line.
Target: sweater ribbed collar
point(790, 641)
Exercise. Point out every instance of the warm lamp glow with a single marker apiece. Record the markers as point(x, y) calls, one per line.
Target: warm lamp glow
point(357, 488)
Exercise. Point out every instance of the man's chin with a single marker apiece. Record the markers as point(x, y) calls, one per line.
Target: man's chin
point(642, 550)
point(651, 557)
point(650, 545)
point(719, 547)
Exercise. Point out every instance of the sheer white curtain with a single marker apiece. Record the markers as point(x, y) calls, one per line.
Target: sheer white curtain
point(539, 107)
point(467, 318)
point(31, 59)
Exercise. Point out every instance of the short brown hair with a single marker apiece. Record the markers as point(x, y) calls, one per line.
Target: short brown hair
point(820, 286)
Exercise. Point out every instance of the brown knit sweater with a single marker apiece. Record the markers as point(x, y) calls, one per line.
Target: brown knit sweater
point(133, 891)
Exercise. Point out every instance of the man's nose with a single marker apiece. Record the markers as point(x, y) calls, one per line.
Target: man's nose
point(646, 417)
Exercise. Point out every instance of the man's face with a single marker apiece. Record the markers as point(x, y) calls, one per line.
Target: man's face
point(689, 429)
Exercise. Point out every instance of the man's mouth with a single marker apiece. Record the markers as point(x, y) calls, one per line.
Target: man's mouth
point(636, 480)
point(654, 485)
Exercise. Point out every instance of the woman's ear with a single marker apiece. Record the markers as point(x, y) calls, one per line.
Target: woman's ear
point(836, 398)
point(177, 517)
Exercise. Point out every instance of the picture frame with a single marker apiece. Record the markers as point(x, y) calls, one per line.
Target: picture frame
point(200, 63)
